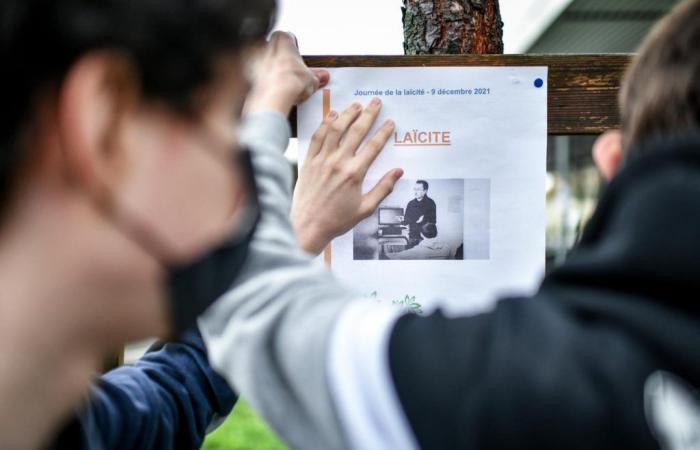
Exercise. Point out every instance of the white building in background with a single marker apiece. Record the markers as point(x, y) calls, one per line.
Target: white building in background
point(599, 26)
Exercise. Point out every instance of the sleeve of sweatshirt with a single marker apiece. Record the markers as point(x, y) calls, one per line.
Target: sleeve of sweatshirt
point(285, 334)
point(168, 399)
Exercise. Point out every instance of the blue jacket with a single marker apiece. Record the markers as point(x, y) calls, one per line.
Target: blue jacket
point(167, 400)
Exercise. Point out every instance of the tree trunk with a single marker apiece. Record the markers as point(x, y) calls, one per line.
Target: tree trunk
point(452, 27)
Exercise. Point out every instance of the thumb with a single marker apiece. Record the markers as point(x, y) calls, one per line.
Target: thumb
point(322, 75)
point(383, 188)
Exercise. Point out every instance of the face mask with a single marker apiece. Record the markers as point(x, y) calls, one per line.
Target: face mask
point(193, 287)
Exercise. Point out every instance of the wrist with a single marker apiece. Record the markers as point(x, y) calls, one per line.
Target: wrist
point(310, 237)
point(310, 245)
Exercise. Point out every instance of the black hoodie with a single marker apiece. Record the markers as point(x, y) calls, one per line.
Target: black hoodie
point(567, 368)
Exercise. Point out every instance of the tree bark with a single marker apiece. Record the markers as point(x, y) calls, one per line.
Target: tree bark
point(452, 27)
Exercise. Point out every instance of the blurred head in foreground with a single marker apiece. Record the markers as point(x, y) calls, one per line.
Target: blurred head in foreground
point(117, 149)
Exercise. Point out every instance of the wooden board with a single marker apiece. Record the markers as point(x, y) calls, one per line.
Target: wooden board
point(583, 89)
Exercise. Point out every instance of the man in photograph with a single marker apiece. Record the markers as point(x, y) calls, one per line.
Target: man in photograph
point(419, 211)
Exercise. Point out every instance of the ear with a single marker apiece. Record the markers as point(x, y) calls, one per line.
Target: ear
point(98, 93)
point(607, 153)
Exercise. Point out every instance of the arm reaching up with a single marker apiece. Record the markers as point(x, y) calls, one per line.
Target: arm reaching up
point(253, 331)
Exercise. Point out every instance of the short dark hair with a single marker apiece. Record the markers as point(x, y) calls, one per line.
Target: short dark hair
point(172, 44)
point(429, 230)
point(660, 95)
point(424, 183)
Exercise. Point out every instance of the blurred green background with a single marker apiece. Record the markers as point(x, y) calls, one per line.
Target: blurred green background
point(243, 430)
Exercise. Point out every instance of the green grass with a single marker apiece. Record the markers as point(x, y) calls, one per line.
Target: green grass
point(243, 430)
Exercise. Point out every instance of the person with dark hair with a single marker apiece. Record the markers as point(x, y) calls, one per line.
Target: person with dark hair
point(171, 398)
point(419, 211)
point(603, 356)
point(127, 203)
point(429, 247)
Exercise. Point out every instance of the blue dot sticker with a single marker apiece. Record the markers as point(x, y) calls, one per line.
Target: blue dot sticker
point(539, 83)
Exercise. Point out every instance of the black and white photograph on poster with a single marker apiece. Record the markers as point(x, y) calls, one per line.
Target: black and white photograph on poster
point(424, 219)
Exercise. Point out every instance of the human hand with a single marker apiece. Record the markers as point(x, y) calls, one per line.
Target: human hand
point(280, 77)
point(328, 199)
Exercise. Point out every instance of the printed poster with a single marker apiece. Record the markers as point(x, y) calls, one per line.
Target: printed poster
point(466, 223)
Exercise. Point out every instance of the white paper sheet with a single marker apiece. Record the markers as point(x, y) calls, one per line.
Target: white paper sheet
point(478, 137)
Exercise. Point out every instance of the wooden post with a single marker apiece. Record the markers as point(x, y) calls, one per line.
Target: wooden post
point(452, 27)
